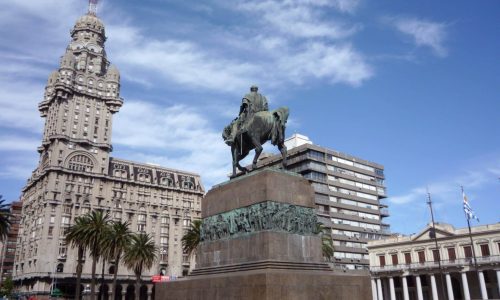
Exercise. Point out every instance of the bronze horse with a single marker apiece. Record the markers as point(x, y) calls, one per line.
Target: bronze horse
point(261, 127)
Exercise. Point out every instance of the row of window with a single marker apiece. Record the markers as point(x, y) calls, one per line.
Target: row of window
point(355, 223)
point(350, 255)
point(421, 255)
point(356, 234)
point(350, 244)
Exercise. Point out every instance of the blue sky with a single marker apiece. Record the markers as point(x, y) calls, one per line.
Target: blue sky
point(412, 85)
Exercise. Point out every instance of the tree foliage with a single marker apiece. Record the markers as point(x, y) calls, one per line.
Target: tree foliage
point(326, 241)
point(140, 255)
point(191, 238)
point(4, 218)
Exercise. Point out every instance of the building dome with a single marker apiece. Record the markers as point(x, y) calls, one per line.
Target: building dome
point(89, 22)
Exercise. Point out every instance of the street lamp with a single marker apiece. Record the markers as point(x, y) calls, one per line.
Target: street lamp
point(86, 292)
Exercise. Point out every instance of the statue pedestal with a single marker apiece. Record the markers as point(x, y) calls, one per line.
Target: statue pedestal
point(258, 242)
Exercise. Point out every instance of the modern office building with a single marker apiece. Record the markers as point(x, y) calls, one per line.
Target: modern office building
point(412, 267)
point(76, 175)
point(349, 193)
point(8, 247)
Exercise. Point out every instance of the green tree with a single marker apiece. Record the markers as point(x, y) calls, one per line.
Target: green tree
point(94, 232)
point(140, 255)
point(115, 244)
point(191, 238)
point(326, 241)
point(7, 287)
point(4, 218)
point(76, 239)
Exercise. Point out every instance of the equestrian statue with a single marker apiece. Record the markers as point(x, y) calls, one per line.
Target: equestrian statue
point(254, 126)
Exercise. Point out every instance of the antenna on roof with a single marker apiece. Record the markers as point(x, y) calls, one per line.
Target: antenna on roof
point(93, 7)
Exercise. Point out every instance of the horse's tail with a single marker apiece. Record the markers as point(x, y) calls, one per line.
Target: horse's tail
point(280, 118)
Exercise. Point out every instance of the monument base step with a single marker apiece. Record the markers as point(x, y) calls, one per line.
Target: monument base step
point(269, 264)
point(267, 284)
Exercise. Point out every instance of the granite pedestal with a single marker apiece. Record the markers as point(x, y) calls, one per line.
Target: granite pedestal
point(259, 243)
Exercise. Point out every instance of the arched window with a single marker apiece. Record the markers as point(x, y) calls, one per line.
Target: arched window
point(81, 163)
point(111, 270)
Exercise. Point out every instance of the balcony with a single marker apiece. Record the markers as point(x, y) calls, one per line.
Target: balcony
point(456, 263)
point(384, 212)
point(384, 228)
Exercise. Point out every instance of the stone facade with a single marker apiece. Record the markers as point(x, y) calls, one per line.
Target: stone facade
point(76, 174)
point(408, 267)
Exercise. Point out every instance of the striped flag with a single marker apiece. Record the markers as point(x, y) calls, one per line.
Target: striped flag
point(469, 213)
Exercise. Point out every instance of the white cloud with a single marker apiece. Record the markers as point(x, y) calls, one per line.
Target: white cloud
point(18, 143)
point(425, 33)
point(19, 100)
point(299, 18)
point(448, 190)
point(338, 63)
point(176, 136)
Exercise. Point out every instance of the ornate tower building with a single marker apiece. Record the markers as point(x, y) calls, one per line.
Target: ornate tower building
point(76, 174)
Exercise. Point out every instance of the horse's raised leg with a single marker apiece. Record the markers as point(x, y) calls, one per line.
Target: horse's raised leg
point(282, 148)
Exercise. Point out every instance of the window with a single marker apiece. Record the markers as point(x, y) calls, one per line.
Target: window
point(451, 254)
point(60, 268)
point(381, 260)
point(164, 254)
point(485, 250)
point(141, 227)
point(421, 257)
point(468, 251)
point(408, 258)
point(163, 240)
point(436, 255)
point(81, 163)
point(394, 259)
point(51, 229)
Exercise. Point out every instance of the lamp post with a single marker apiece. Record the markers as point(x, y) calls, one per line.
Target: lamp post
point(86, 292)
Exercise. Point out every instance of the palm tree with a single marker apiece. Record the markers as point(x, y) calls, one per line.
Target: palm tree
point(4, 218)
point(115, 243)
point(326, 241)
point(95, 230)
point(191, 238)
point(140, 255)
point(75, 238)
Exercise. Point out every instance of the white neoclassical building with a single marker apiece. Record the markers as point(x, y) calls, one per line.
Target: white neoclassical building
point(412, 267)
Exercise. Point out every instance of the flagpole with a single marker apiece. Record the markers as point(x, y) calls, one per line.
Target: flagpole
point(443, 291)
point(467, 216)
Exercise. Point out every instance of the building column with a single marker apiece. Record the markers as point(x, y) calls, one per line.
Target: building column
point(498, 281)
point(449, 287)
point(482, 285)
point(150, 290)
point(124, 291)
point(379, 289)
point(420, 296)
point(465, 285)
point(391, 288)
point(434, 288)
point(406, 295)
point(374, 289)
